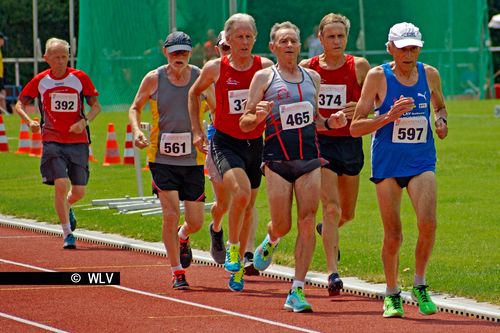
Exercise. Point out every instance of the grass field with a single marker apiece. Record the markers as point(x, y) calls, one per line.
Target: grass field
point(466, 258)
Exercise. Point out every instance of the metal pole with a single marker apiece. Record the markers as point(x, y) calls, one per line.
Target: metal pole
point(138, 171)
point(35, 37)
point(172, 22)
point(362, 28)
point(233, 7)
point(72, 33)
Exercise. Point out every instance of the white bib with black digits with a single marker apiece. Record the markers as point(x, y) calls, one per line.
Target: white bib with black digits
point(63, 102)
point(332, 96)
point(175, 144)
point(237, 100)
point(296, 115)
point(410, 130)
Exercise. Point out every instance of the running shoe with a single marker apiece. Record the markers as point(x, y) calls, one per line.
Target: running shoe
point(425, 305)
point(296, 301)
point(335, 284)
point(185, 253)
point(393, 306)
point(179, 280)
point(72, 219)
point(250, 270)
point(232, 263)
point(236, 282)
point(217, 249)
point(69, 242)
point(263, 255)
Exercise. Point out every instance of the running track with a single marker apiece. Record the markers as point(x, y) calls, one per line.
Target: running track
point(145, 301)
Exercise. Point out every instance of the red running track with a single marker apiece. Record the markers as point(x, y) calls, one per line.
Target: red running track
point(145, 301)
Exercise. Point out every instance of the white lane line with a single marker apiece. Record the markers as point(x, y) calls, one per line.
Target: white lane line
point(32, 323)
point(171, 299)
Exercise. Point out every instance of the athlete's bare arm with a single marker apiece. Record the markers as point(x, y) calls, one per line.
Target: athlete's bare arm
point(148, 87)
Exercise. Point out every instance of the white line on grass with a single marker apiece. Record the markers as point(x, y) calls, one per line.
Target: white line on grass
point(171, 299)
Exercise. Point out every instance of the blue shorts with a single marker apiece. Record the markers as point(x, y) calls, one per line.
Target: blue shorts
point(63, 160)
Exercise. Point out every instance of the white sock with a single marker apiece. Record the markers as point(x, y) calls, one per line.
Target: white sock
point(229, 244)
point(392, 291)
point(177, 268)
point(298, 284)
point(66, 229)
point(182, 233)
point(272, 242)
point(418, 280)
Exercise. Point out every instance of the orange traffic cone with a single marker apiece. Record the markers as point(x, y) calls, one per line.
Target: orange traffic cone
point(91, 155)
point(128, 152)
point(36, 143)
point(24, 145)
point(4, 143)
point(112, 155)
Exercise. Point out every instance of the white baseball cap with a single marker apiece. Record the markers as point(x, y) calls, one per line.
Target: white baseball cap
point(405, 34)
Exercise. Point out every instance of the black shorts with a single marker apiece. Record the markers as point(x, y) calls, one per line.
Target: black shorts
point(189, 181)
point(229, 153)
point(293, 170)
point(344, 153)
point(61, 160)
point(2, 83)
point(402, 181)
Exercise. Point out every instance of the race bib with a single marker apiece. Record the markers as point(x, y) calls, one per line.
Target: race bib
point(296, 115)
point(332, 96)
point(175, 144)
point(63, 102)
point(410, 130)
point(237, 100)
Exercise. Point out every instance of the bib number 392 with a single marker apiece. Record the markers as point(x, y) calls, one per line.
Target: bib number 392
point(63, 102)
point(296, 115)
point(175, 144)
point(410, 130)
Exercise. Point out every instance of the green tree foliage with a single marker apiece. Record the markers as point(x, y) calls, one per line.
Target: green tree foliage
point(16, 22)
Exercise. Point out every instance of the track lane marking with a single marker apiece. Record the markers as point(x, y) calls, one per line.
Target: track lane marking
point(175, 300)
point(32, 323)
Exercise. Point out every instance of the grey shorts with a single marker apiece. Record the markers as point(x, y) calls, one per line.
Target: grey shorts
point(65, 161)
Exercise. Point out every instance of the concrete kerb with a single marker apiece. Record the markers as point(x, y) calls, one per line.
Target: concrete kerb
point(352, 285)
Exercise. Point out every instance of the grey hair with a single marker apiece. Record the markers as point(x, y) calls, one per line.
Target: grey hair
point(239, 17)
point(283, 25)
point(51, 42)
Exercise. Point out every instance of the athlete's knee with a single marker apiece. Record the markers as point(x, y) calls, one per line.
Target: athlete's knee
point(346, 217)
point(332, 211)
point(427, 226)
point(77, 193)
point(279, 229)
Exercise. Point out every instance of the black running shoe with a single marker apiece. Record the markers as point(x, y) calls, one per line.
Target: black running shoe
point(250, 270)
point(217, 248)
point(186, 255)
point(179, 280)
point(335, 284)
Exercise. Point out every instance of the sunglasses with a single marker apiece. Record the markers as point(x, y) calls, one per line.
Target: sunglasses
point(225, 47)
